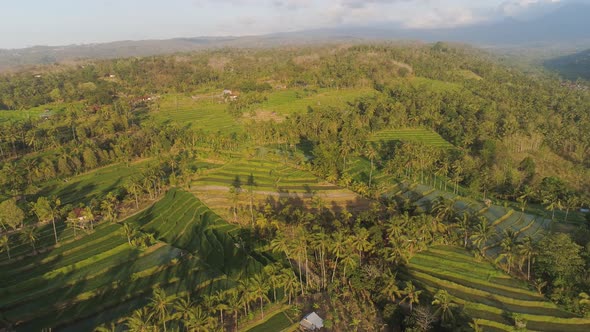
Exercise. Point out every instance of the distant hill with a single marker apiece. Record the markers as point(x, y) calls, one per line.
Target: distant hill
point(566, 26)
point(572, 66)
point(41, 55)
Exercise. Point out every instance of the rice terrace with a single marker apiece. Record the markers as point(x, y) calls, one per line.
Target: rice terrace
point(298, 181)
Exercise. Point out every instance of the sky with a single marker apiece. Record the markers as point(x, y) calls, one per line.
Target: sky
point(25, 23)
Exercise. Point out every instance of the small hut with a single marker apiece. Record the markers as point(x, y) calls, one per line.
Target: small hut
point(312, 322)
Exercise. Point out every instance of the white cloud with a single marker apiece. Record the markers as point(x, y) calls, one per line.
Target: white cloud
point(527, 8)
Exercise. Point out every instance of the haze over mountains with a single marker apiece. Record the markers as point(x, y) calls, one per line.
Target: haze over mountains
point(566, 27)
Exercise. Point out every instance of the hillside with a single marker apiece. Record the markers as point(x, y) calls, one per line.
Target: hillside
point(572, 67)
point(560, 29)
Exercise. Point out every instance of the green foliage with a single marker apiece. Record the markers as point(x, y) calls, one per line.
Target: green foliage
point(11, 216)
point(559, 258)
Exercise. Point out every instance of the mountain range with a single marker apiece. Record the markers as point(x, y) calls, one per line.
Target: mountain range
point(567, 28)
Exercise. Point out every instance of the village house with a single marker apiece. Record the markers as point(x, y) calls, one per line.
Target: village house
point(229, 95)
point(311, 322)
point(77, 214)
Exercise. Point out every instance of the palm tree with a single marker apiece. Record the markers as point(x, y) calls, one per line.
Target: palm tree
point(371, 153)
point(159, 304)
point(527, 250)
point(337, 245)
point(109, 206)
point(360, 241)
point(30, 165)
point(134, 187)
point(129, 231)
point(508, 245)
point(348, 260)
point(89, 215)
point(198, 321)
point(220, 306)
point(444, 310)
point(443, 208)
point(234, 304)
point(183, 307)
point(539, 284)
point(5, 244)
point(29, 235)
point(289, 283)
point(260, 289)
point(319, 243)
point(390, 288)
point(140, 321)
point(272, 272)
point(482, 233)
point(464, 226)
point(251, 184)
point(411, 294)
point(47, 209)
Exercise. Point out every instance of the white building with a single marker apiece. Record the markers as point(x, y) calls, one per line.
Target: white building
point(312, 322)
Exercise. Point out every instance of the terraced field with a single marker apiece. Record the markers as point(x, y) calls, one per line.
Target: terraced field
point(278, 322)
point(287, 102)
point(488, 294)
point(269, 179)
point(45, 239)
point(31, 113)
point(206, 112)
point(523, 224)
point(101, 278)
point(428, 137)
point(85, 187)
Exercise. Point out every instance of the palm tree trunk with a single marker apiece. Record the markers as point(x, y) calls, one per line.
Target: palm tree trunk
point(300, 279)
point(54, 229)
point(371, 173)
point(252, 206)
point(262, 307)
point(335, 267)
point(528, 274)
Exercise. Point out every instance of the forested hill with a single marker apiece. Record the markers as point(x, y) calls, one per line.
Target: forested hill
point(488, 110)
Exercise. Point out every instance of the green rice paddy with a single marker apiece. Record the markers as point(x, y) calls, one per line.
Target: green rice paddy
point(100, 277)
point(487, 293)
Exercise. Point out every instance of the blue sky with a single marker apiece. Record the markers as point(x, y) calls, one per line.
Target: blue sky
point(60, 22)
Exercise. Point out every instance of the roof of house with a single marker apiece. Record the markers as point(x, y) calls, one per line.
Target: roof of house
point(312, 321)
